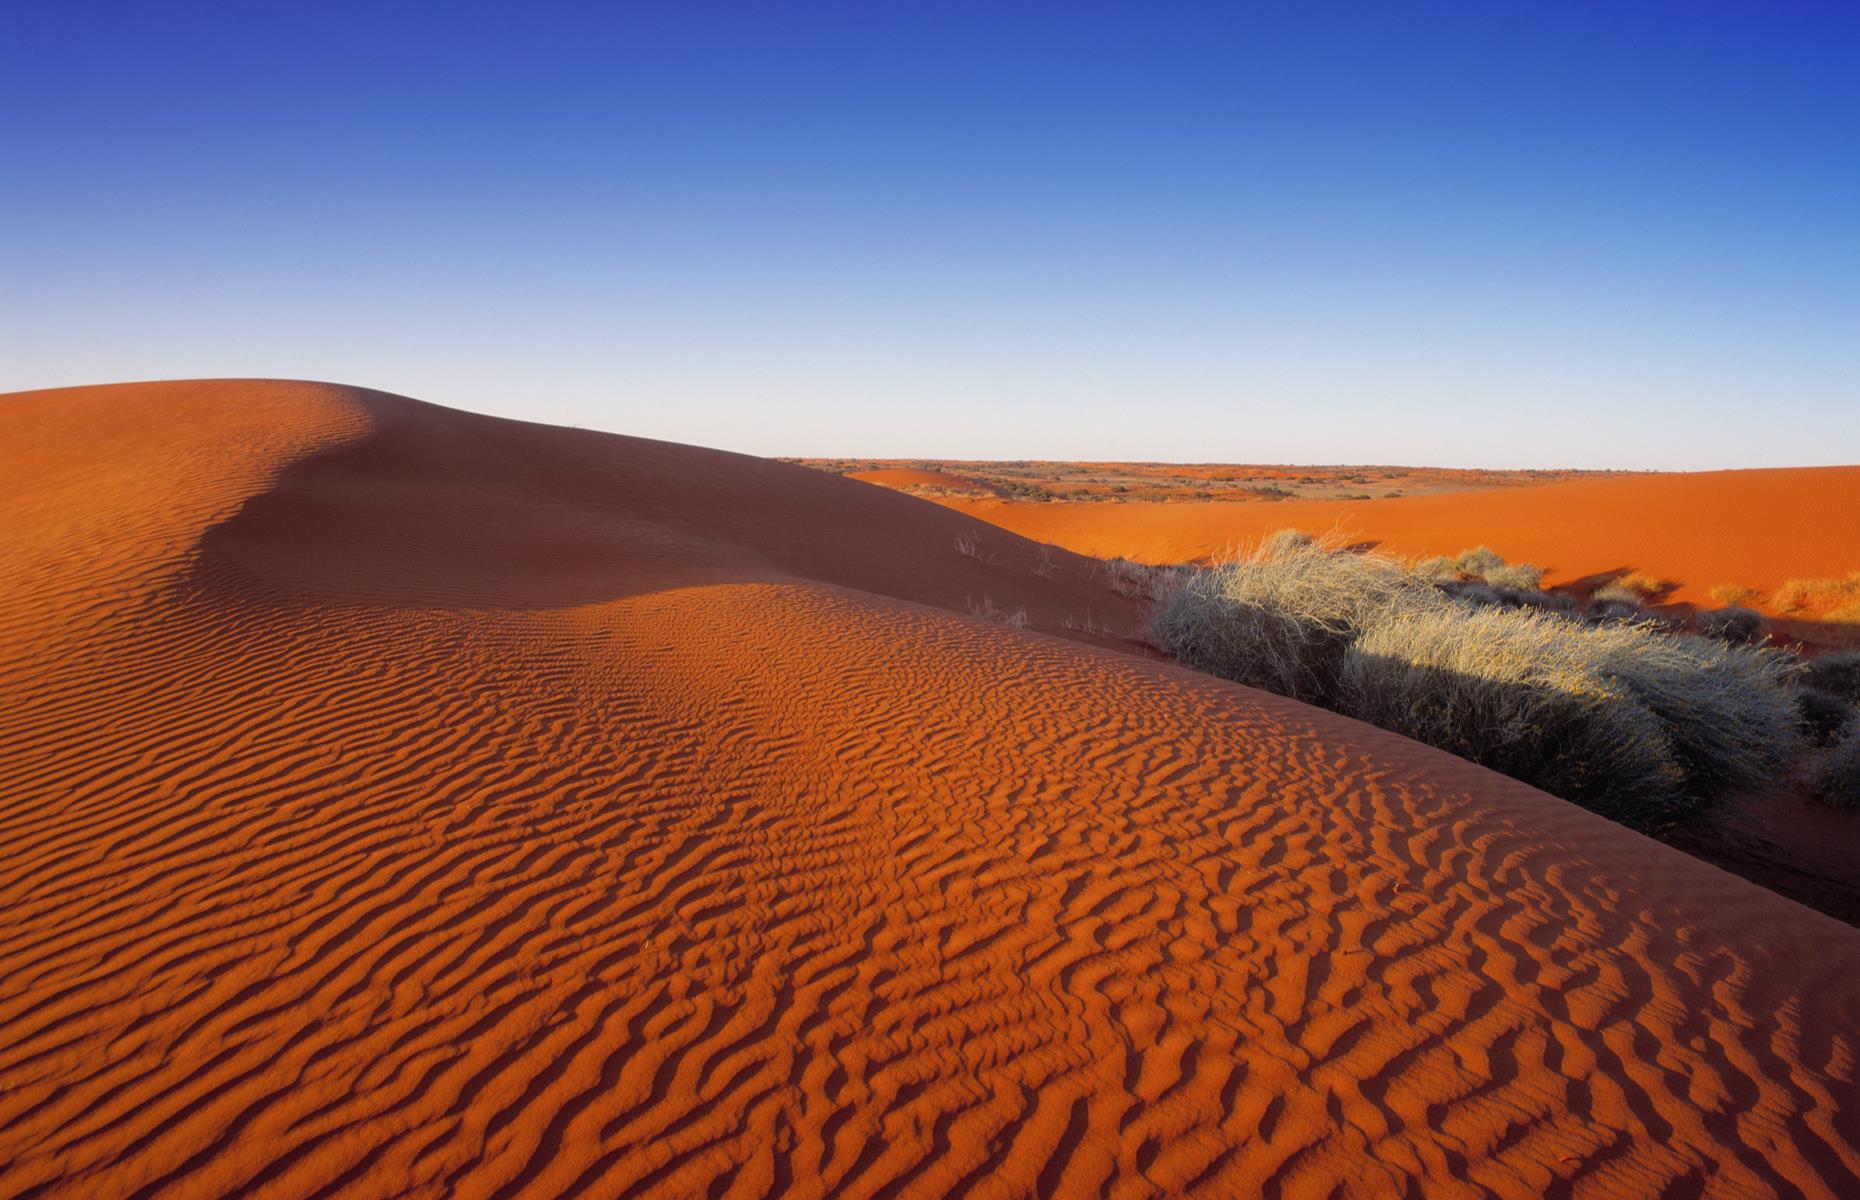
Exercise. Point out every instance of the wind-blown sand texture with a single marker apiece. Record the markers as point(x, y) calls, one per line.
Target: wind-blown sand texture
point(399, 801)
point(1750, 529)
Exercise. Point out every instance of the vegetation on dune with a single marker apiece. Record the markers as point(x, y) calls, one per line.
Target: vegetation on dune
point(1627, 718)
point(1136, 580)
point(1829, 599)
point(1837, 672)
point(1837, 782)
point(1734, 624)
point(1733, 596)
point(1821, 713)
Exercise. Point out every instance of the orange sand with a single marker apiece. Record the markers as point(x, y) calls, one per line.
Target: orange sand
point(398, 801)
point(909, 477)
point(1747, 528)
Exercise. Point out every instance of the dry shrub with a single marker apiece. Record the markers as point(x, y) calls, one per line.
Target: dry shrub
point(970, 546)
point(1733, 596)
point(1624, 596)
point(1516, 577)
point(1137, 580)
point(1644, 586)
point(1838, 672)
point(1615, 608)
point(1481, 576)
point(1625, 719)
point(1741, 625)
point(1281, 615)
point(1477, 561)
point(1821, 714)
point(1514, 692)
point(1837, 782)
point(1287, 541)
point(1830, 599)
point(1438, 569)
point(1484, 563)
point(988, 612)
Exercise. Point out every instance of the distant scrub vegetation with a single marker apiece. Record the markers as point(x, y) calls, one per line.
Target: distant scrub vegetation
point(1608, 708)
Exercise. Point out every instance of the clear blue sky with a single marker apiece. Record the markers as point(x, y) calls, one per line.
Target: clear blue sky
point(1490, 233)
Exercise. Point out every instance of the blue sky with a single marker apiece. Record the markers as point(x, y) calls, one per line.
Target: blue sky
point(1498, 234)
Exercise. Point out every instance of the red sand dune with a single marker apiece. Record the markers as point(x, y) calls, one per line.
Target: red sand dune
point(1745, 528)
point(398, 801)
point(909, 477)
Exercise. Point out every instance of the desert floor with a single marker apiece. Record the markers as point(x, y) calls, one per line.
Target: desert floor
point(400, 801)
point(1693, 531)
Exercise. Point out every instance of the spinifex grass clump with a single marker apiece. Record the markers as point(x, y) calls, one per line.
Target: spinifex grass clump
point(1828, 599)
point(1734, 624)
point(1837, 782)
point(1482, 576)
point(1837, 672)
point(1626, 719)
point(1282, 615)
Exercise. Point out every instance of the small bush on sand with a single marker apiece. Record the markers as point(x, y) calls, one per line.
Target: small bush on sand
point(1831, 599)
point(1137, 580)
point(1616, 594)
point(1743, 625)
point(1732, 596)
point(1438, 569)
point(1479, 560)
point(1616, 609)
point(1510, 691)
point(1821, 714)
point(1285, 541)
point(1837, 672)
point(1280, 616)
point(1837, 782)
point(988, 612)
point(1559, 603)
point(1646, 587)
point(970, 546)
point(1517, 577)
point(1480, 576)
point(1626, 719)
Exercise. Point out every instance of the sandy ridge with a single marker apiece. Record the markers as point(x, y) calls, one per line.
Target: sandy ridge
point(396, 800)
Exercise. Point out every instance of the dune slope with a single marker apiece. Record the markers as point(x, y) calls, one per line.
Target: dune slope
point(397, 801)
point(1752, 529)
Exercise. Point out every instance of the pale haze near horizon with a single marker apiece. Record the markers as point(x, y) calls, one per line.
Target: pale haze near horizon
point(1476, 236)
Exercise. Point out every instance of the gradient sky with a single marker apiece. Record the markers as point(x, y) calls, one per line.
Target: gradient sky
point(1488, 234)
